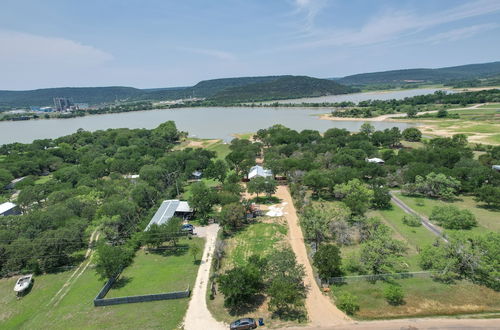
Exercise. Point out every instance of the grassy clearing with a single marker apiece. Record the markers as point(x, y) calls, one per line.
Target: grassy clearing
point(244, 136)
point(76, 310)
point(495, 139)
point(43, 179)
point(487, 219)
point(489, 106)
point(150, 271)
point(413, 145)
point(423, 297)
point(221, 148)
point(208, 182)
point(259, 238)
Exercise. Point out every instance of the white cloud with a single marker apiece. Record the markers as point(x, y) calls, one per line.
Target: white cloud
point(218, 54)
point(309, 9)
point(462, 33)
point(393, 24)
point(24, 48)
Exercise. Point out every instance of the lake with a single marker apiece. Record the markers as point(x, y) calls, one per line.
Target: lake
point(213, 122)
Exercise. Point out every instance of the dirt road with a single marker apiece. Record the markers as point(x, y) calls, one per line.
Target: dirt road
point(320, 309)
point(414, 324)
point(198, 316)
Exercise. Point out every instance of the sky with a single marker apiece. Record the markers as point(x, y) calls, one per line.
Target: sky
point(167, 43)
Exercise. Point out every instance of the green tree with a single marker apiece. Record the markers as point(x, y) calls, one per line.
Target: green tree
point(489, 194)
point(394, 294)
point(451, 217)
point(435, 185)
point(316, 180)
point(412, 134)
point(239, 285)
point(5, 178)
point(412, 112)
point(442, 113)
point(328, 261)
point(231, 216)
point(195, 251)
point(367, 128)
point(111, 260)
point(202, 199)
point(217, 170)
point(356, 195)
point(383, 254)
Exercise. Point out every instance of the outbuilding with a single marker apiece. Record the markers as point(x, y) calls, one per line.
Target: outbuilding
point(9, 208)
point(375, 160)
point(257, 171)
point(169, 209)
point(496, 168)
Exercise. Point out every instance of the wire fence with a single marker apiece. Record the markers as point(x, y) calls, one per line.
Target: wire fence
point(375, 277)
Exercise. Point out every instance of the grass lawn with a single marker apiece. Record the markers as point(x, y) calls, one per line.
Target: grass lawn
point(76, 309)
point(489, 106)
point(209, 182)
point(259, 238)
point(487, 219)
point(413, 145)
point(158, 273)
point(423, 297)
point(221, 148)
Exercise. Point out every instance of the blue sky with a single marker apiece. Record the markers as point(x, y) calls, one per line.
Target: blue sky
point(162, 43)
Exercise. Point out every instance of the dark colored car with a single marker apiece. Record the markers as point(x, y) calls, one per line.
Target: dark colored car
point(188, 227)
point(243, 324)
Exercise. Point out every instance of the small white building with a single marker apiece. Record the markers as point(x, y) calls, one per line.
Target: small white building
point(9, 208)
point(258, 170)
point(496, 168)
point(375, 160)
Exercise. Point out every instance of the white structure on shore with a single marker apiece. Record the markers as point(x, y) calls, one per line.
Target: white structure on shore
point(257, 171)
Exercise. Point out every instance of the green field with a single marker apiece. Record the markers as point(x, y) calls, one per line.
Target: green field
point(76, 309)
point(423, 297)
point(149, 271)
point(259, 238)
point(490, 106)
point(487, 219)
point(43, 179)
point(221, 148)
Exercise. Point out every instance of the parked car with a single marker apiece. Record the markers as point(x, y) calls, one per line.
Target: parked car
point(188, 227)
point(243, 324)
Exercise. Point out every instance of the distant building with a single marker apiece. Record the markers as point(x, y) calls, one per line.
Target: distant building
point(63, 103)
point(9, 208)
point(375, 160)
point(496, 167)
point(82, 106)
point(41, 109)
point(257, 171)
point(196, 175)
point(169, 209)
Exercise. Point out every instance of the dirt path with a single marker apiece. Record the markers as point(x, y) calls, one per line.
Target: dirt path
point(322, 312)
point(424, 220)
point(198, 316)
point(56, 299)
point(414, 324)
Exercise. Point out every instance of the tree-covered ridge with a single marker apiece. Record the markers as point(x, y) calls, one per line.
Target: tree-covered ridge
point(440, 75)
point(286, 87)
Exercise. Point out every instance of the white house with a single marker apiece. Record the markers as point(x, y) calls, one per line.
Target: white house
point(496, 167)
point(258, 170)
point(8, 208)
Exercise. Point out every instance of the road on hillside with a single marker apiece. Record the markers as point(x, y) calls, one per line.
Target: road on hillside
point(320, 309)
point(424, 220)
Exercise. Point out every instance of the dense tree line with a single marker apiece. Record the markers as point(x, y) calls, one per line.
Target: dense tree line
point(85, 185)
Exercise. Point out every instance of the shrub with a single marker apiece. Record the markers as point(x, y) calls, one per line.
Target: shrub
point(451, 217)
point(394, 294)
point(348, 303)
point(412, 220)
point(412, 134)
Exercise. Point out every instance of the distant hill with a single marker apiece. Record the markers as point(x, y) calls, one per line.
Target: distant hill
point(441, 75)
point(284, 87)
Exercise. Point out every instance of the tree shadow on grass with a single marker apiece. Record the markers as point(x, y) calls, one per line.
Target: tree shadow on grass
point(168, 251)
point(492, 208)
point(121, 282)
point(266, 200)
point(197, 262)
point(248, 307)
point(291, 314)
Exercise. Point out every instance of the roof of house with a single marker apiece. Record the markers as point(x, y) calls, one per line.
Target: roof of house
point(374, 160)
point(167, 210)
point(196, 173)
point(258, 170)
point(496, 167)
point(4, 207)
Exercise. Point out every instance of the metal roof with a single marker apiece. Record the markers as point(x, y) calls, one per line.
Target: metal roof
point(6, 207)
point(258, 170)
point(167, 210)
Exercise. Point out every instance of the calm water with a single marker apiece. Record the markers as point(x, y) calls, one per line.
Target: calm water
point(218, 123)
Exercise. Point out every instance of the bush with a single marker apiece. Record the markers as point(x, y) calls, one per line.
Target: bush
point(451, 217)
point(327, 261)
point(348, 303)
point(412, 220)
point(394, 294)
